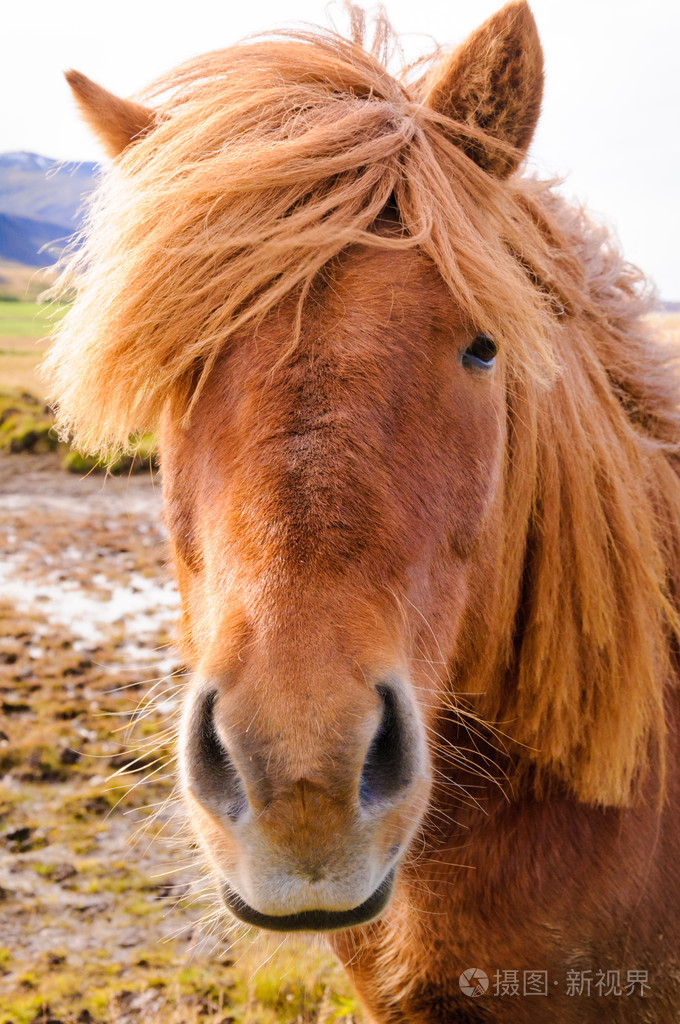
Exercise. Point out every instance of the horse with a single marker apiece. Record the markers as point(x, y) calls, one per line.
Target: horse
point(419, 451)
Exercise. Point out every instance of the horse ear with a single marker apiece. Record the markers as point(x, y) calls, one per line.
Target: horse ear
point(114, 121)
point(494, 82)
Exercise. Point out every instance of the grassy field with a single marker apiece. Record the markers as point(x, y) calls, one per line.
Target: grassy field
point(25, 421)
point(25, 283)
point(24, 328)
point(27, 320)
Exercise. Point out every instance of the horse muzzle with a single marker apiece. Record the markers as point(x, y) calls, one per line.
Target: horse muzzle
point(317, 920)
point(305, 827)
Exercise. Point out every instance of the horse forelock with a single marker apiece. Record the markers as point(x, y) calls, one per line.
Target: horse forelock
point(269, 160)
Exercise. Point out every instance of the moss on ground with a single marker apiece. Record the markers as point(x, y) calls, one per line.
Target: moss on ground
point(27, 425)
point(141, 460)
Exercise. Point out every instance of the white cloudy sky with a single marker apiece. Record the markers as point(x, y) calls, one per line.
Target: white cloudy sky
point(611, 116)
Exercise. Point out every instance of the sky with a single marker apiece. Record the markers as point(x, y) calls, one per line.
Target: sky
point(611, 114)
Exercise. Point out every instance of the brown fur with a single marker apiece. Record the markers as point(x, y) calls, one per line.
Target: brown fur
point(494, 81)
point(114, 121)
point(286, 270)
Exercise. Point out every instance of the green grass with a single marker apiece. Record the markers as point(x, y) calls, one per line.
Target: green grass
point(25, 423)
point(28, 319)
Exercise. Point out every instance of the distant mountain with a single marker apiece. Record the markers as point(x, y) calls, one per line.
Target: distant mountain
point(22, 239)
point(41, 201)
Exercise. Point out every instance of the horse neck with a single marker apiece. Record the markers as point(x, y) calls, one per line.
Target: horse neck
point(566, 647)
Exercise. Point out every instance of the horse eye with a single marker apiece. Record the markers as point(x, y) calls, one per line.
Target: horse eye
point(480, 354)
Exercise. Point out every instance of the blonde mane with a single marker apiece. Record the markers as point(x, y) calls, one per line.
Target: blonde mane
point(270, 158)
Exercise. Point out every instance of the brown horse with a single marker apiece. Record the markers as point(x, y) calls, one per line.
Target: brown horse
point(419, 457)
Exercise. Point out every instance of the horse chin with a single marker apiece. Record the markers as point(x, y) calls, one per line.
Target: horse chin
point(317, 920)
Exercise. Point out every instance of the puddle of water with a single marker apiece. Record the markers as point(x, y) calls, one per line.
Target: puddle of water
point(141, 608)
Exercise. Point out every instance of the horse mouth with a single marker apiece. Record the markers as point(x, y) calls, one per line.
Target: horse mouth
point(312, 920)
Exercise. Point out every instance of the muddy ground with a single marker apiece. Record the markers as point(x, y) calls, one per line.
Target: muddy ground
point(105, 913)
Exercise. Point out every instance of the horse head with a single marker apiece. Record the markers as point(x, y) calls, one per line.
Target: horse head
point(343, 305)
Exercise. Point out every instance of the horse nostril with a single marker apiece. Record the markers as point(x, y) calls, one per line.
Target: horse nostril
point(212, 774)
point(388, 767)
